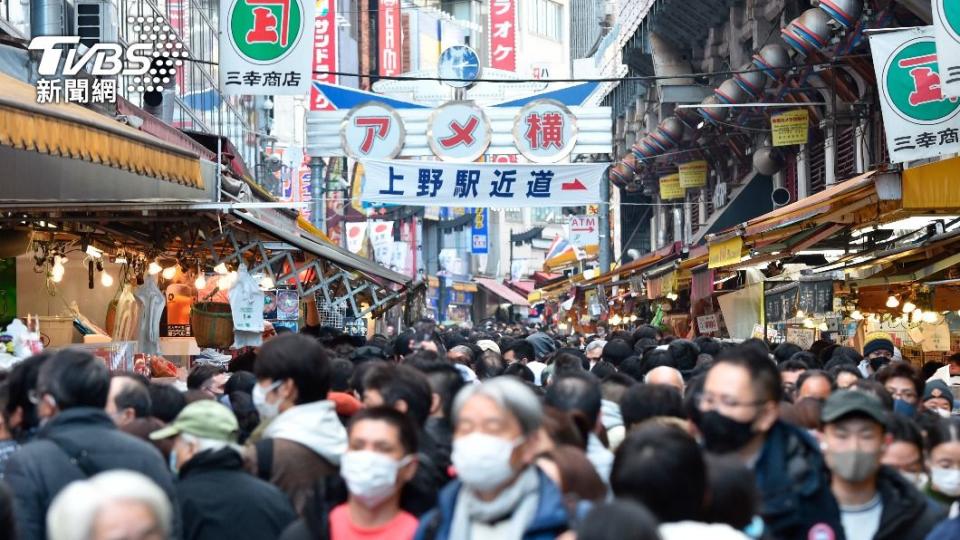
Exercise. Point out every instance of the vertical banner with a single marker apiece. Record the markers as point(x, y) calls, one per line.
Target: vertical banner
point(503, 34)
point(324, 53)
point(946, 30)
point(480, 231)
point(356, 235)
point(390, 34)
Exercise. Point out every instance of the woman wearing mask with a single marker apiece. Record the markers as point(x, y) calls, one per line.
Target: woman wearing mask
point(500, 493)
point(905, 450)
point(943, 461)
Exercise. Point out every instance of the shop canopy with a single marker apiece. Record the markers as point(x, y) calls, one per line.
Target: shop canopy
point(499, 289)
point(749, 200)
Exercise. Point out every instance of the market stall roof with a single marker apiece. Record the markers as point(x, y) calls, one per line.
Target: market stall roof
point(501, 290)
point(669, 252)
point(748, 201)
point(522, 286)
point(568, 259)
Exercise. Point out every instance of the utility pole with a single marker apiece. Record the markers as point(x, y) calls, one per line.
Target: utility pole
point(603, 222)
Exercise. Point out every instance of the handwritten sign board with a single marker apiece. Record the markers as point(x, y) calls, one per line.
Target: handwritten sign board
point(725, 253)
point(708, 324)
point(804, 337)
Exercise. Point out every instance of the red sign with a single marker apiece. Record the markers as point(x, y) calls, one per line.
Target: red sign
point(390, 33)
point(324, 53)
point(503, 34)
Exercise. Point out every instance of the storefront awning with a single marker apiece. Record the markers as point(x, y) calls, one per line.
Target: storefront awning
point(632, 268)
point(748, 201)
point(501, 290)
point(568, 259)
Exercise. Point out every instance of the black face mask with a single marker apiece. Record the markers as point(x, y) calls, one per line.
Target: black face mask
point(722, 434)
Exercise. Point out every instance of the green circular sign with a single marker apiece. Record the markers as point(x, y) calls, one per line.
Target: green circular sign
point(265, 32)
point(951, 17)
point(911, 77)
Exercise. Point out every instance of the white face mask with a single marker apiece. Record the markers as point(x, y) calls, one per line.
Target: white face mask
point(370, 476)
point(268, 411)
point(918, 479)
point(483, 461)
point(946, 481)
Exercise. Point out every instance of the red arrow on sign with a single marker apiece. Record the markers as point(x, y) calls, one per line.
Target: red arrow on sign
point(588, 229)
point(576, 185)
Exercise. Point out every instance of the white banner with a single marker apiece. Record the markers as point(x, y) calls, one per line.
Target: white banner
point(484, 185)
point(356, 235)
point(920, 122)
point(946, 27)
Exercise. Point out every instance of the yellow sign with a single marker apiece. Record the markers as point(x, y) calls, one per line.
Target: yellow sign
point(725, 253)
point(670, 187)
point(668, 283)
point(693, 174)
point(790, 127)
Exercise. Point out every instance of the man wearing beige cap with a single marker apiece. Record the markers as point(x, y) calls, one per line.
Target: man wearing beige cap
point(218, 498)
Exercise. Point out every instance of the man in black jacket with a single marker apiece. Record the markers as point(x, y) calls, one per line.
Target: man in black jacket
point(76, 441)
point(876, 502)
point(218, 498)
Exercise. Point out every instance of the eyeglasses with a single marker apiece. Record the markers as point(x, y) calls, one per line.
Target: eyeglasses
point(710, 400)
point(903, 394)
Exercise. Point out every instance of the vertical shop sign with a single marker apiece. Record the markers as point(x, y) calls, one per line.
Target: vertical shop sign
point(480, 231)
point(390, 34)
point(946, 30)
point(503, 34)
point(324, 53)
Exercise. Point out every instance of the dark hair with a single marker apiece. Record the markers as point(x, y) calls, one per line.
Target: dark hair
point(836, 370)
point(901, 370)
point(644, 401)
point(489, 365)
point(75, 378)
point(563, 428)
point(21, 380)
point(708, 345)
point(341, 370)
point(792, 365)
point(929, 368)
point(245, 412)
point(360, 371)
point(166, 402)
point(684, 354)
point(400, 345)
point(643, 345)
point(618, 520)
point(578, 477)
point(240, 381)
point(663, 468)
point(945, 430)
point(446, 381)
point(133, 394)
point(299, 358)
point(757, 344)
point(200, 374)
point(764, 376)
point(522, 349)
point(578, 392)
point(633, 367)
point(646, 331)
point(521, 372)
point(806, 357)
point(615, 351)
point(403, 423)
point(565, 363)
point(613, 386)
point(873, 387)
point(733, 492)
point(603, 369)
point(813, 374)
point(784, 351)
point(399, 382)
point(244, 361)
point(8, 521)
point(904, 429)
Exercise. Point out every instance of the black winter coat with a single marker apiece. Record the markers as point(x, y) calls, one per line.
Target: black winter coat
point(40, 469)
point(221, 500)
point(907, 513)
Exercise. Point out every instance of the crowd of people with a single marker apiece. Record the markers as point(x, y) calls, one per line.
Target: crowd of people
point(500, 432)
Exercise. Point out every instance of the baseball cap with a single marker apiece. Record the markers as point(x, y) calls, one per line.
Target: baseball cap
point(205, 418)
point(845, 402)
point(488, 345)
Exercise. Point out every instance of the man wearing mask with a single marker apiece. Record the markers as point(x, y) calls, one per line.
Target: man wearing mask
point(738, 414)
point(217, 497)
point(300, 439)
point(878, 350)
point(876, 502)
point(937, 397)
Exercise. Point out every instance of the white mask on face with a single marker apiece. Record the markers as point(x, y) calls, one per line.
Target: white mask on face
point(268, 411)
point(370, 476)
point(946, 481)
point(483, 461)
point(918, 479)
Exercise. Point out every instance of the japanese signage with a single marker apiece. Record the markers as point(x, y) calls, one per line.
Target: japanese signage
point(503, 34)
point(946, 28)
point(670, 187)
point(356, 235)
point(804, 337)
point(372, 130)
point(725, 253)
point(584, 231)
point(324, 52)
point(389, 32)
point(790, 127)
point(708, 324)
point(268, 46)
point(488, 185)
point(381, 238)
point(919, 121)
point(480, 231)
point(693, 174)
point(545, 131)
point(458, 131)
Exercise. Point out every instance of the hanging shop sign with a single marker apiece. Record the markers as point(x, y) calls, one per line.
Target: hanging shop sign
point(503, 34)
point(725, 253)
point(487, 185)
point(480, 232)
point(946, 30)
point(372, 131)
point(389, 36)
point(458, 131)
point(356, 235)
point(268, 47)
point(790, 127)
point(584, 231)
point(324, 53)
point(804, 337)
point(693, 174)
point(545, 131)
point(919, 121)
point(670, 187)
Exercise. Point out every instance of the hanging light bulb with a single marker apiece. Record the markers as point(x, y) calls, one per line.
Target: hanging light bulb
point(672, 296)
point(909, 307)
point(633, 318)
point(227, 281)
point(929, 317)
point(106, 279)
point(892, 301)
point(200, 282)
point(57, 271)
point(169, 273)
point(154, 268)
point(266, 283)
point(916, 316)
point(615, 320)
point(221, 269)
point(808, 323)
point(856, 315)
point(800, 314)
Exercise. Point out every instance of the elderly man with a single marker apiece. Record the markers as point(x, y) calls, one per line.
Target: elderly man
point(665, 375)
point(594, 351)
point(461, 354)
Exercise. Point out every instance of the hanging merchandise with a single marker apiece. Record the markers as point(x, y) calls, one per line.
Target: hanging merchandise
point(152, 303)
point(246, 305)
point(127, 316)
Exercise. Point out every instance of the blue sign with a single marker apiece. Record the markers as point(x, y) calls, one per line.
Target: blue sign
point(459, 62)
point(480, 231)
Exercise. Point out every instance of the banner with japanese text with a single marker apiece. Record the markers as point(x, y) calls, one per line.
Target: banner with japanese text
point(488, 185)
point(389, 36)
point(324, 53)
point(503, 34)
point(946, 28)
point(265, 47)
point(920, 122)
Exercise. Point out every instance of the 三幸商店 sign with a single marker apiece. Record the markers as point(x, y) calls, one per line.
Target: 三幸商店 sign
point(266, 46)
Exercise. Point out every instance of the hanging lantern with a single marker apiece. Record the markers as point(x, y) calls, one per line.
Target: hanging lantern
point(657, 142)
point(773, 59)
point(641, 152)
point(767, 160)
point(671, 129)
point(713, 114)
point(619, 175)
point(845, 12)
point(750, 81)
point(649, 148)
point(809, 32)
point(630, 162)
point(730, 92)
